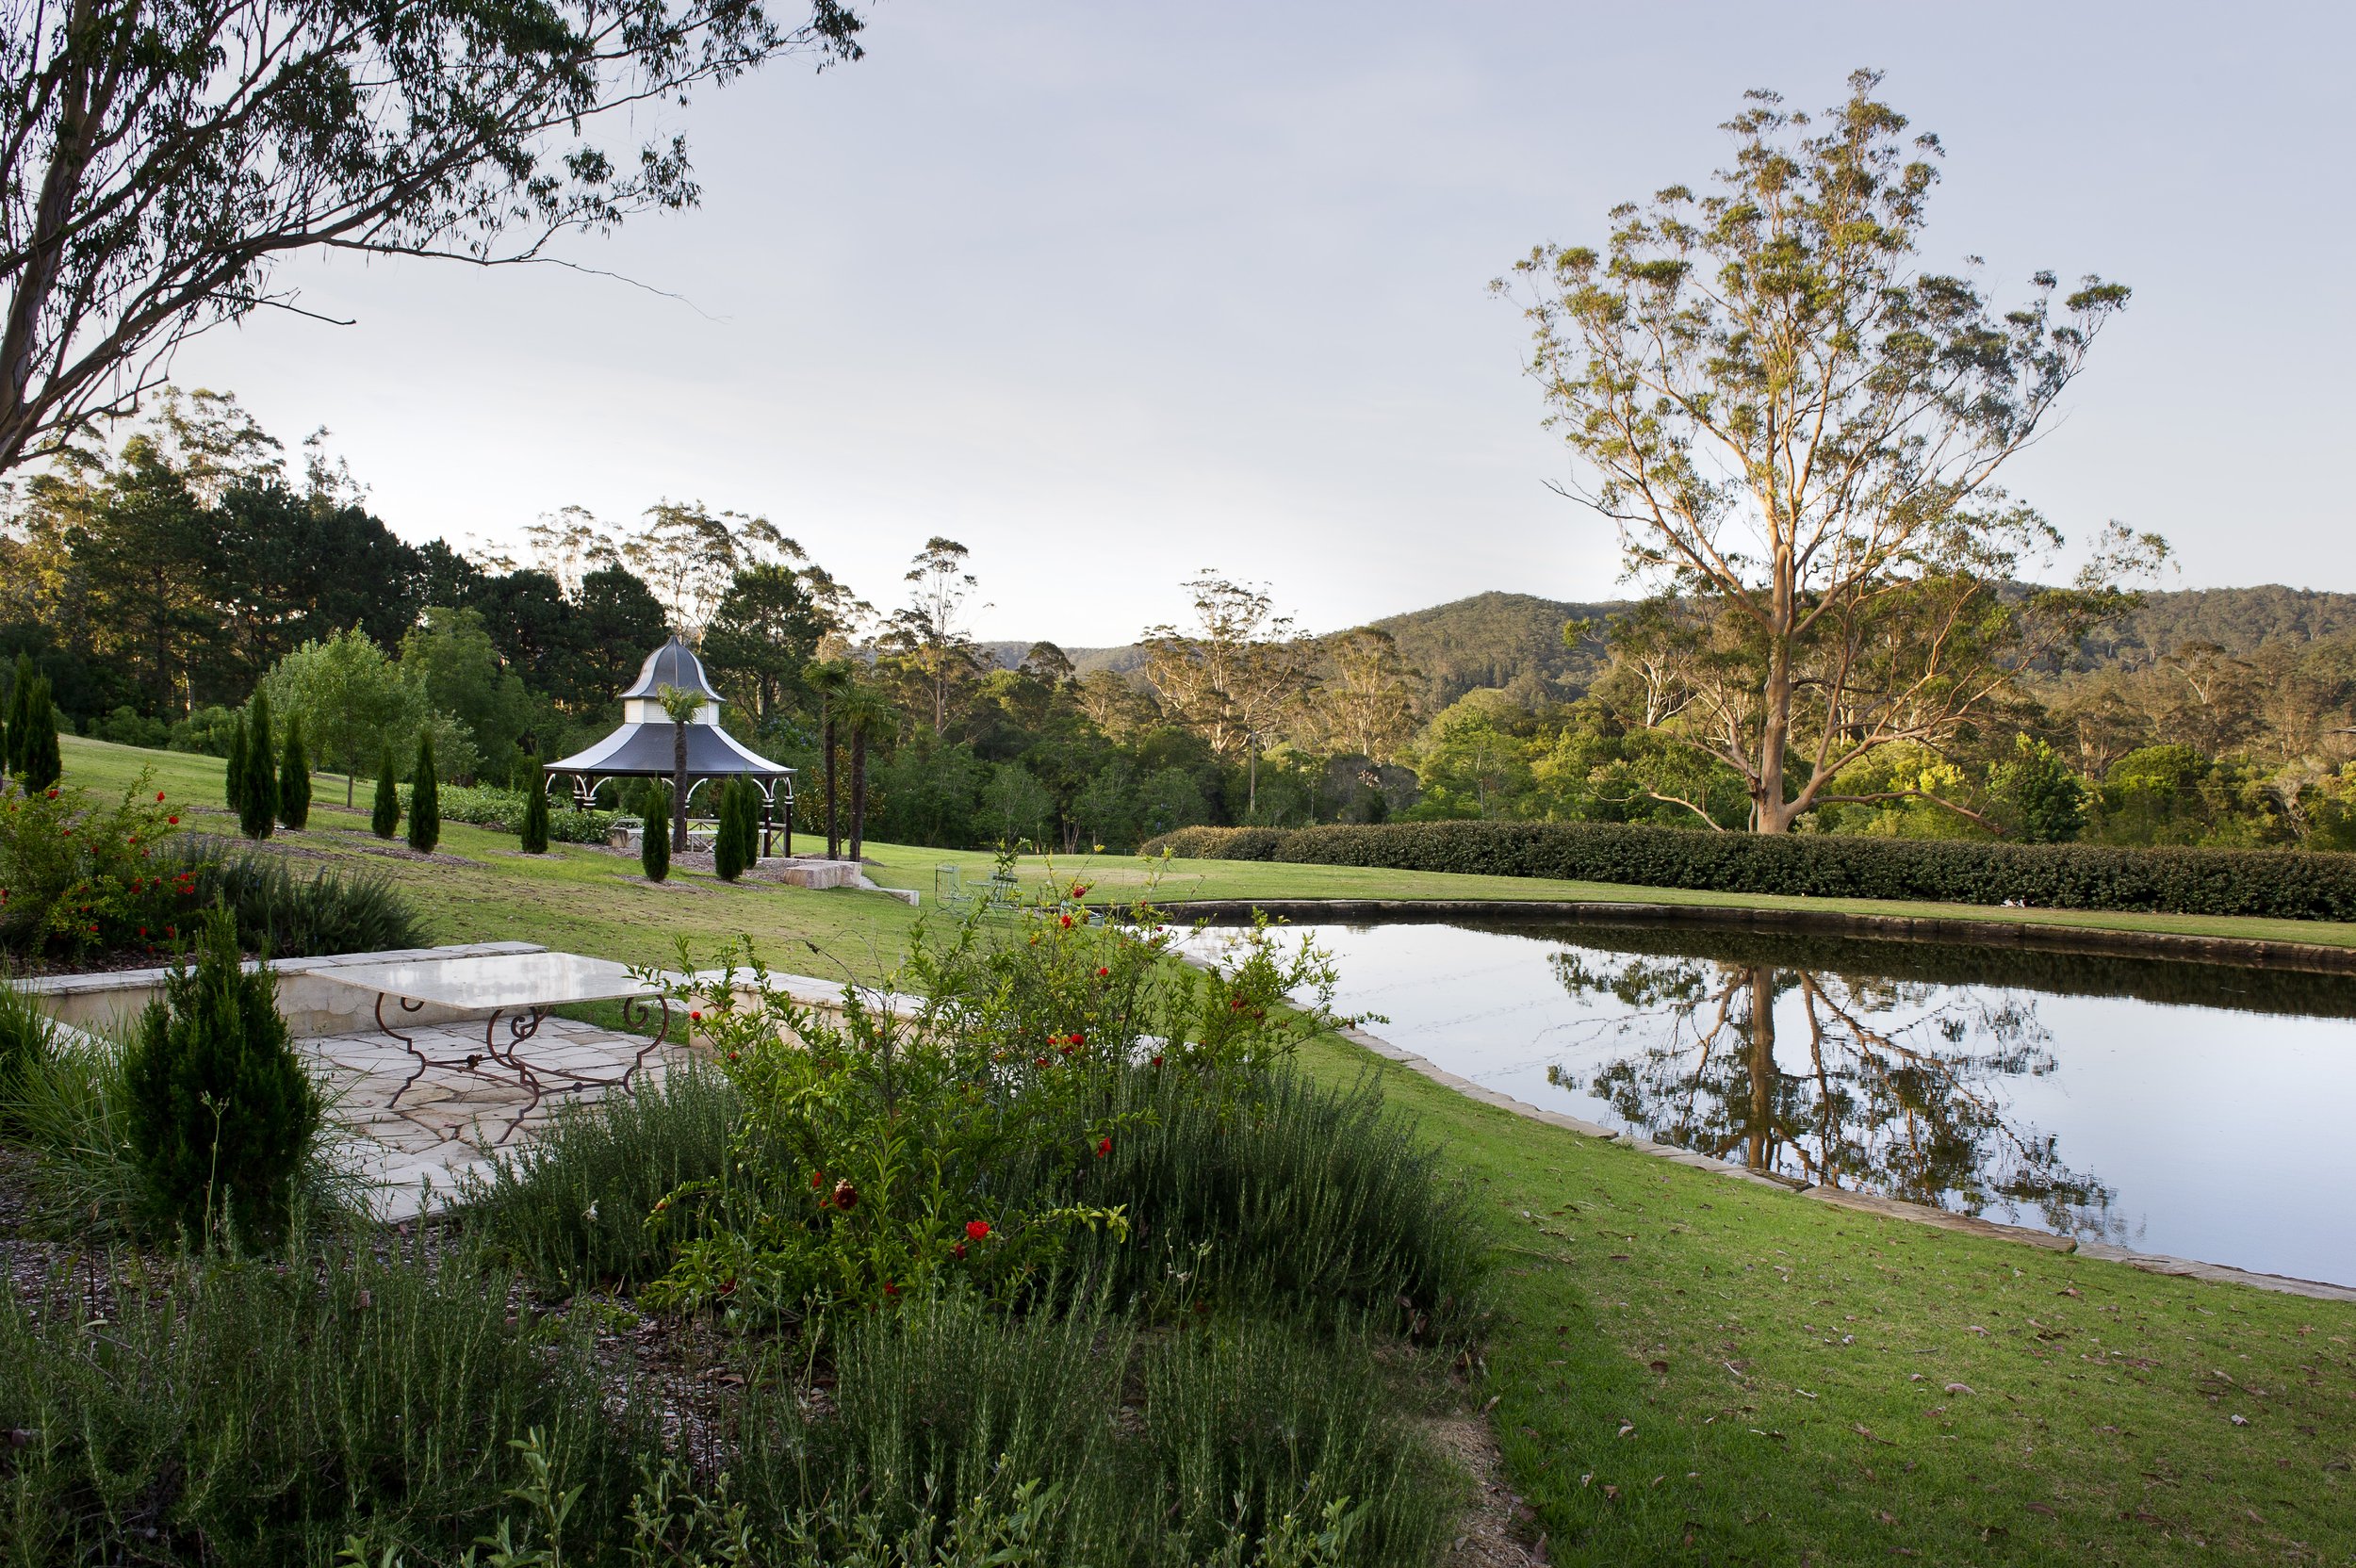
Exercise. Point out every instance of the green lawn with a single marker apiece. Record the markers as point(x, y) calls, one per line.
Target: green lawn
point(1688, 1369)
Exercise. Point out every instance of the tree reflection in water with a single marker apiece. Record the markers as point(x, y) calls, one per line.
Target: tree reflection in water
point(1886, 1086)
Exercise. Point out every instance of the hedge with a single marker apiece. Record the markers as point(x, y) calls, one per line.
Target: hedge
point(2280, 884)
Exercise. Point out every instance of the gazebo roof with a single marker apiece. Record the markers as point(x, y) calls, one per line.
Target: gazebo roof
point(672, 664)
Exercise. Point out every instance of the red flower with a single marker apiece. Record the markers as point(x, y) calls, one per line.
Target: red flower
point(1102, 972)
point(890, 1289)
point(159, 796)
point(172, 821)
point(736, 1056)
point(1157, 1058)
point(1040, 1061)
point(1077, 1039)
point(958, 1251)
point(51, 795)
point(698, 1016)
point(1066, 920)
point(142, 931)
point(1104, 1147)
point(845, 1194)
point(976, 1228)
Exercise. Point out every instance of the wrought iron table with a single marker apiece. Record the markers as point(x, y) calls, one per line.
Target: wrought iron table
point(521, 988)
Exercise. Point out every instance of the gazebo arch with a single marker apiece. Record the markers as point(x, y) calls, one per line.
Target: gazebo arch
point(642, 746)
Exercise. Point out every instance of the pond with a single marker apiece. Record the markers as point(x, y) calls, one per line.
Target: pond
point(2190, 1109)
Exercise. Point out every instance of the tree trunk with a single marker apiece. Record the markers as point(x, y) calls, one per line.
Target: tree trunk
point(825, 725)
point(679, 787)
point(859, 792)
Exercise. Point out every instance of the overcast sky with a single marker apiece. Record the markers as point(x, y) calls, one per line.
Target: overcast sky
point(1114, 291)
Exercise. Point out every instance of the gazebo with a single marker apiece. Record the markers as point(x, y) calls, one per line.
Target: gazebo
point(641, 747)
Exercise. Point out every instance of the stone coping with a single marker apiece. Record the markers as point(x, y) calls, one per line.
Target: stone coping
point(2241, 952)
point(103, 981)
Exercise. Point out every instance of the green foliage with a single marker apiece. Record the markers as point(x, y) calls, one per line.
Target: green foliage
point(257, 795)
point(384, 811)
point(287, 911)
point(732, 839)
point(20, 705)
point(534, 831)
point(963, 1141)
point(294, 778)
point(81, 876)
point(223, 1113)
point(2280, 885)
point(571, 1205)
point(212, 1411)
point(126, 727)
point(34, 738)
point(654, 843)
point(2036, 791)
point(484, 807)
point(27, 1040)
point(425, 810)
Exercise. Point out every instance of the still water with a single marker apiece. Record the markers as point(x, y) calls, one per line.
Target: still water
point(2182, 1108)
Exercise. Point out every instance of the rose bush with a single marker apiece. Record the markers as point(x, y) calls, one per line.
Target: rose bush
point(78, 874)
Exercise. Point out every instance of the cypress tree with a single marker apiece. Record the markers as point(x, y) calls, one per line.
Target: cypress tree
point(294, 778)
point(42, 766)
point(257, 798)
point(221, 1113)
point(19, 710)
point(425, 803)
point(233, 784)
point(384, 819)
point(654, 844)
point(727, 859)
point(535, 831)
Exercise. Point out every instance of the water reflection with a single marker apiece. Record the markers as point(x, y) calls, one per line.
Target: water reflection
point(1850, 1080)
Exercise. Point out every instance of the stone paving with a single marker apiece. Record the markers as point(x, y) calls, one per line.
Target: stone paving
point(415, 1143)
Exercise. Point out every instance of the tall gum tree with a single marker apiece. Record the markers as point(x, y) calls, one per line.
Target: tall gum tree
point(159, 157)
point(1797, 429)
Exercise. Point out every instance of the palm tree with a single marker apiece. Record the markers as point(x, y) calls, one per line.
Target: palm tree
point(862, 712)
point(681, 708)
point(830, 680)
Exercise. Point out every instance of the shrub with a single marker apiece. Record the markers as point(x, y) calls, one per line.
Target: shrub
point(205, 731)
point(289, 912)
point(214, 1412)
point(2279, 883)
point(535, 832)
point(505, 810)
point(257, 795)
point(81, 876)
point(294, 778)
point(27, 1039)
point(233, 774)
point(34, 739)
point(571, 1205)
point(425, 808)
point(125, 726)
point(384, 811)
point(1218, 843)
point(221, 1114)
point(734, 846)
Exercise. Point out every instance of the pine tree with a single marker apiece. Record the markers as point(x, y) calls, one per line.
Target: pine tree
point(654, 844)
point(233, 786)
point(425, 803)
point(257, 798)
point(294, 778)
point(535, 831)
point(384, 819)
point(728, 853)
point(42, 765)
point(221, 1114)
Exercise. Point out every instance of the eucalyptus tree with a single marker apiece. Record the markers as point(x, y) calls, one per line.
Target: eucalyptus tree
point(1797, 428)
point(157, 163)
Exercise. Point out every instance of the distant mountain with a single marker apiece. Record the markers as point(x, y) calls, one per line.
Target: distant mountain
point(1515, 641)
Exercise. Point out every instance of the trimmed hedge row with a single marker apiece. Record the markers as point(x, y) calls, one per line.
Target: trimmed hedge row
point(2282, 884)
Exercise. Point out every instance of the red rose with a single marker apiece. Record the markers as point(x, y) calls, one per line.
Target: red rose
point(1102, 972)
point(1040, 1062)
point(890, 1289)
point(817, 1180)
point(159, 797)
point(172, 821)
point(1078, 1039)
point(696, 1016)
point(845, 1194)
point(1066, 920)
point(958, 1251)
point(1157, 1058)
point(1104, 1147)
point(976, 1228)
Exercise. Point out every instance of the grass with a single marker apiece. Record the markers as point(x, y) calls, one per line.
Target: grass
point(1781, 1369)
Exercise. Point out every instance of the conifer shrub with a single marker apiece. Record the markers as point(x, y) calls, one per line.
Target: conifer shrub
point(727, 843)
point(534, 831)
point(425, 810)
point(384, 813)
point(654, 844)
point(41, 767)
point(294, 778)
point(20, 700)
point(222, 1116)
point(257, 797)
point(233, 774)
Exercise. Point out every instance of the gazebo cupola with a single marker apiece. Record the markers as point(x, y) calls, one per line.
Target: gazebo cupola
point(672, 664)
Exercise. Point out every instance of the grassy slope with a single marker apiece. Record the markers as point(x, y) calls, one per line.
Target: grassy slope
point(1743, 1335)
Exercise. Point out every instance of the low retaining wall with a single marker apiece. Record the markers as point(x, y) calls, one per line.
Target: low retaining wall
point(2244, 951)
point(312, 1005)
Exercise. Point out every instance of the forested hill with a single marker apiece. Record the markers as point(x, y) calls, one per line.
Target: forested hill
point(1515, 641)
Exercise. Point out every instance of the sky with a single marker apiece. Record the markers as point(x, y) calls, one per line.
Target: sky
point(1112, 292)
